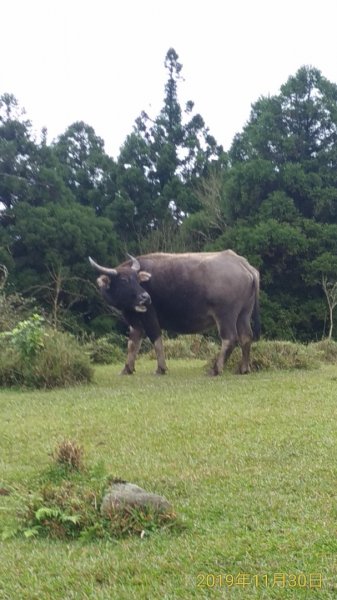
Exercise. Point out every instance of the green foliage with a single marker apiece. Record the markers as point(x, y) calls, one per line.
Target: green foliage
point(86, 169)
point(280, 202)
point(28, 337)
point(17, 150)
point(13, 309)
point(326, 350)
point(159, 163)
point(51, 245)
point(272, 199)
point(66, 505)
point(59, 511)
point(279, 355)
point(41, 357)
point(265, 355)
point(107, 349)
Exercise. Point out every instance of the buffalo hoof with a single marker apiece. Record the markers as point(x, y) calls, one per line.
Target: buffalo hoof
point(213, 372)
point(127, 371)
point(160, 371)
point(243, 370)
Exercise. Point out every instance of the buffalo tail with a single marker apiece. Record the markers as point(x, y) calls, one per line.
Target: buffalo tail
point(256, 320)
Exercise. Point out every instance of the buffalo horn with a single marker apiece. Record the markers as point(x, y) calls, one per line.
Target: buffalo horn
point(135, 263)
point(104, 270)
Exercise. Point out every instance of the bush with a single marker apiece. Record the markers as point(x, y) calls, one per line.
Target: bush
point(264, 354)
point(108, 349)
point(282, 355)
point(326, 350)
point(33, 355)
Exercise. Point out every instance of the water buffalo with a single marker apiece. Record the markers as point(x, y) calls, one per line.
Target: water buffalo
point(185, 293)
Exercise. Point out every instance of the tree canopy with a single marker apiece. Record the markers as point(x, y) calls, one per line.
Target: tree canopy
point(272, 197)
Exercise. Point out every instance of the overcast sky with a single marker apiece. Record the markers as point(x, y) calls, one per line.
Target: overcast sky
point(102, 61)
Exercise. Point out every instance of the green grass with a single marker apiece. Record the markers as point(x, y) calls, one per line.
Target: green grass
point(249, 464)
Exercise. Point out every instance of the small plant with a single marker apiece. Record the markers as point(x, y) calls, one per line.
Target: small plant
point(58, 523)
point(28, 337)
point(69, 454)
point(58, 511)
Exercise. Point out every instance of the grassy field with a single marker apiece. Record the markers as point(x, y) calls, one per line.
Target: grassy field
point(249, 463)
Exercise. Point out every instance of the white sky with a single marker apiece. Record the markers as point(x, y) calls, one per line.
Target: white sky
point(102, 61)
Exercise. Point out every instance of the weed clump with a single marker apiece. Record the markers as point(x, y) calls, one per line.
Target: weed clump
point(71, 510)
point(69, 454)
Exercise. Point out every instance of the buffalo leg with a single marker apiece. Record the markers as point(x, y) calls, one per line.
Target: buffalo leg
point(245, 335)
point(153, 331)
point(134, 343)
point(228, 336)
point(159, 349)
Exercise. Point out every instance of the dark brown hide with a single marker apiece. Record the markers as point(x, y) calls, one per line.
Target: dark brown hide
point(187, 293)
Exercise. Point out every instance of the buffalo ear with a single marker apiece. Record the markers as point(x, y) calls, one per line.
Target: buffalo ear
point(103, 281)
point(144, 276)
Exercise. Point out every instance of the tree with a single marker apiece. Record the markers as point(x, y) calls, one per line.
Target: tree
point(86, 169)
point(296, 133)
point(161, 160)
point(280, 198)
point(16, 149)
point(50, 246)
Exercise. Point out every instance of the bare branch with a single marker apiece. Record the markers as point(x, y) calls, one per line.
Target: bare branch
point(330, 290)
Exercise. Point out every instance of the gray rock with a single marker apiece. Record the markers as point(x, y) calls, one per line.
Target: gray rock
point(124, 495)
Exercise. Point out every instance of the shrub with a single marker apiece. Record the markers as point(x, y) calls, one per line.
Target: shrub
point(282, 355)
point(325, 349)
point(33, 355)
point(277, 355)
point(264, 354)
point(106, 350)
